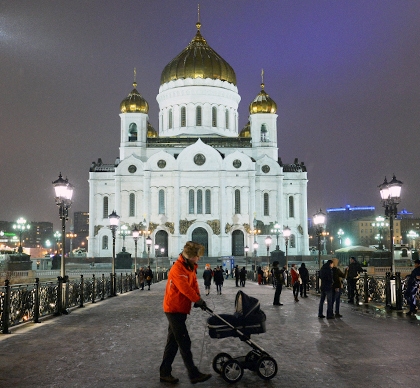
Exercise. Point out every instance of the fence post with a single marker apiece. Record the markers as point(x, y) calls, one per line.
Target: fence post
point(82, 286)
point(59, 296)
point(388, 289)
point(36, 307)
point(6, 308)
point(93, 288)
point(103, 287)
point(66, 295)
point(398, 291)
point(365, 288)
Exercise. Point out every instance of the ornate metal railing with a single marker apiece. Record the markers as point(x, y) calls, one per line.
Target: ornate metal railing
point(29, 302)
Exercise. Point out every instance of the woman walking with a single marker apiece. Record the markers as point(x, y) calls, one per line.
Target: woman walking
point(207, 276)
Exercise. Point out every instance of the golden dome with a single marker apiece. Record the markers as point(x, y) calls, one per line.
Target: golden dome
point(198, 60)
point(246, 131)
point(151, 132)
point(262, 103)
point(134, 102)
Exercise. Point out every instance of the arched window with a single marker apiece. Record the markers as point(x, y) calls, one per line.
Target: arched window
point(198, 116)
point(132, 132)
point(105, 242)
point(214, 116)
point(161, 201)
point(264, 133)
point(191, 202)
point(132, 206)
point(170, 119)
point(105, 212)
point(291, 207)
point(292, 241)
point(183, 117)
point(227, 118)
point(266, 205)
point(208, 201)
point(199, 202)
point(237, 202)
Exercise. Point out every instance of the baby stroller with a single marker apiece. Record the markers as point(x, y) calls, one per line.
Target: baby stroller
point(248, 319)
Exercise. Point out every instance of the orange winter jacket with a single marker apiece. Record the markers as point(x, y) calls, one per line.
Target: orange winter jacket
point(181, 288)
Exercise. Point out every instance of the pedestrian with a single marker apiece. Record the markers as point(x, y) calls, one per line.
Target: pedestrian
point(149, 276)
point(304, 277)
point(218, 280)
point(141, 278)
point(260, 275)
point(412, 287)
point(237, 275)
point(227, 274)
point(242, 276)
point(338, 276)
point(352, 274)
point(326, 277)
point(278, 276)
point(207, 276)
point(181, 291)
point(295, 281)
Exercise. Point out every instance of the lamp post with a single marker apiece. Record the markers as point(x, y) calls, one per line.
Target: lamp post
point(135, 233)
point(286, 234)
point(319, 222)
point(268, 241)
point(276, 230)
point(148, 243)
point(114, 220)
point(390, 196)
point(57, 236)
point(144, 232)
point(21, 226)
point(413, 236)
point(246, 249)
point(124, 231)
point(380, 224)
point(340, 235)
point(63, 199)
point(255, 246)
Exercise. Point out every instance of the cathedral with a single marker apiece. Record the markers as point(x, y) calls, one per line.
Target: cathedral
point(199, 177)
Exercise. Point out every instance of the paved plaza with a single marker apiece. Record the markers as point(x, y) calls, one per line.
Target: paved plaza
point(119, 342)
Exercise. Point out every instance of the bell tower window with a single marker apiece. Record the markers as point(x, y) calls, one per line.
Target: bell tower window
point(227, 118)
point(183, 117)
point(170, 119)
point(264, 133)
point(214, 116)
point(132, 132)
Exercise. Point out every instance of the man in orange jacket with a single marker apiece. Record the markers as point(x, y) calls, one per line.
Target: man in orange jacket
point(181, 291)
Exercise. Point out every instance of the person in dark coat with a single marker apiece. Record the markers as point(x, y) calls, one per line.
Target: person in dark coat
point(260, 275)
point(412, 287)
point(148, 274)
point(326, 277)
point(242, 276)
point(207, 276)
point(304, 275)
point(353, 271)
point(218, 279)
point(338, 275)
point(278, 276)
point(236, 276)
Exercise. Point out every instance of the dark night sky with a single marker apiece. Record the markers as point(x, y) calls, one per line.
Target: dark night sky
point(345, 77)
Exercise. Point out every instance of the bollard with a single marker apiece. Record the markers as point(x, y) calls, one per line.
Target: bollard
point(103, 287)
point(36, 307)
point(317, 288)
point(59, 303)
point(398, 291)
point(81, 291)
point(388, 289)
point(365, 288)
point(93, 288)
point(6, 308)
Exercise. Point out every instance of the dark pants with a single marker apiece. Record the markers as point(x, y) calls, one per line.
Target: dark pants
point(277, 293)
point(219, 287)
point(296, 287)
point(336, 299)
point(242, 282)
point(303, 288)
point(178, 337)
point(411, 296)
point(326, 295)
point(352, 291)
point(237, 281)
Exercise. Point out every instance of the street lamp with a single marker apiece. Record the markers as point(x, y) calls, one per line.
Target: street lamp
point(255, 246)
point(319, 222)
point(380, 223)
point(114, 220)
point(390, 196)
point(57, 236)
point(63, 199)
point(413, 235)
point(124, 231)
point(135, 233)
point(246, 249)
point(21, 226)
point(286, 234)
point(144, 232)
point(268, 241)
point(340, 235)
point(276, 230)
point(148, 243)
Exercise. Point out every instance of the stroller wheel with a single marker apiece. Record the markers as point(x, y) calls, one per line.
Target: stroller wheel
point(219, 360)
point(232, 371)
point(266, 367)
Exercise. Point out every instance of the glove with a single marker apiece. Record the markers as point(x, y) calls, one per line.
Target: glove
point(200, 303)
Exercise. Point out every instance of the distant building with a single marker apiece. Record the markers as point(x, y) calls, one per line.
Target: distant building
point(35, 237)
point(81, 228)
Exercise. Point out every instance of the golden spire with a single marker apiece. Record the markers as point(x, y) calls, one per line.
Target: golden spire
point(135, 76)
point(262, 78)
point(198, 24)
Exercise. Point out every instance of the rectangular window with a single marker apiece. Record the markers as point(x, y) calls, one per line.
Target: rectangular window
point(161, 202)
point(266, 204)
point(208, 202)
point(132, 208)
point(199, 202)
point(198, 116)
point(191, 202)
point(183, 117)
point(105, 212)
point(237, 202)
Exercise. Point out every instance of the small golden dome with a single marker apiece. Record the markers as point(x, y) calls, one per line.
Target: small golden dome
point(262, 103)
point(246, 131)
point(151, 132)
point(198, 60)
point(134, 102)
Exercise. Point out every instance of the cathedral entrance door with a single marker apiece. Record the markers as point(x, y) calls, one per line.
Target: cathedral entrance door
point(161, 239)
point(237, 243)
point(201, 236)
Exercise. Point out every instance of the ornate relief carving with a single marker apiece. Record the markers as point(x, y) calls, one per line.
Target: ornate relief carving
point(300, 229)
point(170, 226)
point(184, 225)
point(228, 227)
point(152, 226)
point(247, 228)
point(96, 229)
point(215, 226)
